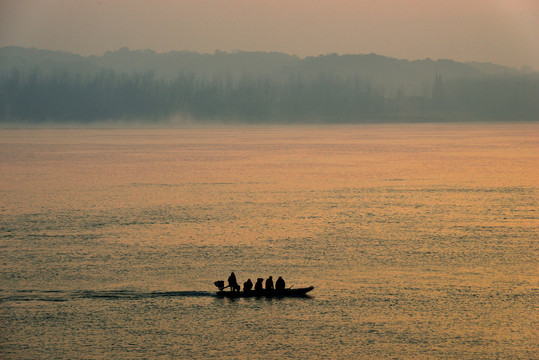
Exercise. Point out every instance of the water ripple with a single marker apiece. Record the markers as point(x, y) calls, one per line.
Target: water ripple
point(56, 295)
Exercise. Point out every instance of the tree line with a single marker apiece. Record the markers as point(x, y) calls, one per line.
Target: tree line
point(33, 97)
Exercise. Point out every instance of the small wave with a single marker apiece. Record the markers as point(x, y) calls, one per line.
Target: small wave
point(32, 296)
point(129, 294)
point(182, 293)
point(57, 295)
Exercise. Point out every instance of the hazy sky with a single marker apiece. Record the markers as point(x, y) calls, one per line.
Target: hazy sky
point(500, 31)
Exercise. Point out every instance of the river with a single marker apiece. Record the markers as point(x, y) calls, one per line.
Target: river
point(420, 241)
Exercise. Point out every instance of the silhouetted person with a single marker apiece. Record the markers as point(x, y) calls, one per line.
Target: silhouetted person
point(259, 286)
point(279, 284)
point(247, 286)
point(233, 283)
point(269, 283)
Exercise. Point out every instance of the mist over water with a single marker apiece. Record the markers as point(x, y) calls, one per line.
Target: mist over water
point(420, 241)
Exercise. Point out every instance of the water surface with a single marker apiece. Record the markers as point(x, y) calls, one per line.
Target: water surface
point(419, 239)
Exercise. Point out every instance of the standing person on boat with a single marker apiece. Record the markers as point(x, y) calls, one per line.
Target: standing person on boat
point(279, 284)
point(259, 286)
point(247, 286)
point(269, 283)
point(233, 283)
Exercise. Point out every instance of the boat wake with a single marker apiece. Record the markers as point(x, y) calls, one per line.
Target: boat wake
point(58, 295)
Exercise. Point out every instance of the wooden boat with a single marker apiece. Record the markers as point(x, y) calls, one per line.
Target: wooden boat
point(297, 292)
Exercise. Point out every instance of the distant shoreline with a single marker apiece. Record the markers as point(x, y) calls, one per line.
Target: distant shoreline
point(38, 86)
point(239, 125)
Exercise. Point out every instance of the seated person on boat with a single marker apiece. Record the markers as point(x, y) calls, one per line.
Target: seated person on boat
point(247, 286)
point(259, 285)
point(269, 283)
point(279, 284)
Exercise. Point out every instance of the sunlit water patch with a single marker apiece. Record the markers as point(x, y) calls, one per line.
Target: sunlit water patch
point(420, 242)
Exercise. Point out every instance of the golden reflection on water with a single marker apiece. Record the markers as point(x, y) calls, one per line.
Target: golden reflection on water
point(420, 236)
point(290, 180)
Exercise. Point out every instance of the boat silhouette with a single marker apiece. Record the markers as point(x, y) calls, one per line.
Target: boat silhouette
point(267, 293)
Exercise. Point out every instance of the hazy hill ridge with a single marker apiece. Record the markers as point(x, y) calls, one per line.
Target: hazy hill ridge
point(413, 77)
point(257, 86)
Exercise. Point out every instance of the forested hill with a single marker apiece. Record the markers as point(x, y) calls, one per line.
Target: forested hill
point(257, 86)
point(409, 77)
